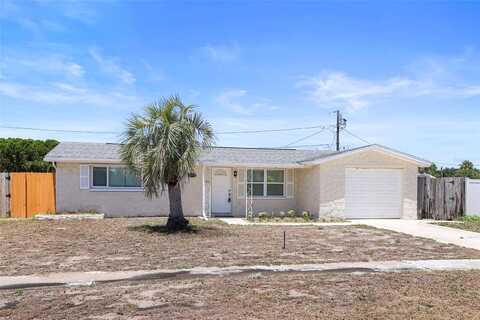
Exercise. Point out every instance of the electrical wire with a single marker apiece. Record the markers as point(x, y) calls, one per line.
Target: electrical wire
point(311, 145)
point(60, 130)
point(118, 132)
point(355, 136)
point(305, 138)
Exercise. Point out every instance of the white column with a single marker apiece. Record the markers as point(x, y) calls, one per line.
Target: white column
point(204, 214)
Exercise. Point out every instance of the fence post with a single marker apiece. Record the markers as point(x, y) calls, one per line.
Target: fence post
point(4, 195)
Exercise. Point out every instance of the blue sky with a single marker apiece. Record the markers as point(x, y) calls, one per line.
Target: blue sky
point(406, 75)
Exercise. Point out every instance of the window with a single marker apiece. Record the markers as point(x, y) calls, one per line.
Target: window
point(265, 183)
point(275, 182)
point(115, 177)
point(99, 176)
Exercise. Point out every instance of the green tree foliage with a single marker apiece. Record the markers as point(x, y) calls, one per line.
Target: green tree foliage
point(25, 155)
point(163, 144)
point(466, 169)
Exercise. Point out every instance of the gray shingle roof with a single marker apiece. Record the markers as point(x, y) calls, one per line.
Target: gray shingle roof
point(109, 152)
point(259, 155)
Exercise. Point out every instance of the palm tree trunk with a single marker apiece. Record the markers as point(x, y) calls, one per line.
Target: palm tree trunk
point(176, 220)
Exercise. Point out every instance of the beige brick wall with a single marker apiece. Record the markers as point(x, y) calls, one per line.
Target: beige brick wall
point(120, 203)
point(332, 181)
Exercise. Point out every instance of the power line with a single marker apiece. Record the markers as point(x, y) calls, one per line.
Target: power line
point(60, 130)
point(271, 130)
point(355, 136)
point(311, 145)
point(305, 138)
point(118, 132)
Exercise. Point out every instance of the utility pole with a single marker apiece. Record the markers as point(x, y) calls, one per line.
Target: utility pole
point(341, 124)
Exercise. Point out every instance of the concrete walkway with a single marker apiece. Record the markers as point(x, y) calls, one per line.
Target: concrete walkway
point(424, 229)
point(89, 278)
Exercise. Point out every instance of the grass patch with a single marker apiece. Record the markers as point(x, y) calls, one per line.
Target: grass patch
point(468, 223)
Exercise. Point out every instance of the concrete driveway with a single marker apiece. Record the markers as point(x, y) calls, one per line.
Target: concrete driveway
point(424, 228)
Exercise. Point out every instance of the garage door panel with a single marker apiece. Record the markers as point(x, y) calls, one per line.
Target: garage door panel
point(373, 193)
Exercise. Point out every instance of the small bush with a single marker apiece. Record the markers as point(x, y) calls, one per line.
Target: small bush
point(263, 215)
point(471, 219)
point(330, 218)
point(306, 216)
point(282, 215)
point(291, 213)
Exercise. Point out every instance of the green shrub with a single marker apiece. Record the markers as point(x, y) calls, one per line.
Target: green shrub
point(263, 215)
point(291, 213)
point(306, 216)
point(471, 218)
point(282, 215)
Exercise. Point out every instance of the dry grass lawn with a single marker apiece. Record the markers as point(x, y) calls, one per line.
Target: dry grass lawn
point(28, 247)
point(407, 295)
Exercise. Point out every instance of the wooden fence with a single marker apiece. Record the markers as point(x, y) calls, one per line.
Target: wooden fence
point(441, 198)
point(31, 193)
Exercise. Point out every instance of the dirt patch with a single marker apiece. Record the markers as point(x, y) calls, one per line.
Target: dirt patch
point(125, 244)
point(408, 295)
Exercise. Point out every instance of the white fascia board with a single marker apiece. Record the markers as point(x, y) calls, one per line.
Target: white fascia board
point(252, 165)
point(205, 163)
point(51, 159)
point(378, 148)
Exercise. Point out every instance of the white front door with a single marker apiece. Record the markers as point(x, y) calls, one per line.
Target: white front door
point(373, 193)
point(221, 190)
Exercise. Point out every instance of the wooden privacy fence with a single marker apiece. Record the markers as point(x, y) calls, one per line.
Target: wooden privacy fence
point(31, 193)
point(441, 198)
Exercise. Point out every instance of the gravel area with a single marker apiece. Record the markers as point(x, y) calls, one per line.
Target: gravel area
point(28, 247)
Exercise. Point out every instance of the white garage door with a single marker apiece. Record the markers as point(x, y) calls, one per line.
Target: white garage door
point(373, 193)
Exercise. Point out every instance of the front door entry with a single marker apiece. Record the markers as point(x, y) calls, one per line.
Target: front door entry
point(221, 191)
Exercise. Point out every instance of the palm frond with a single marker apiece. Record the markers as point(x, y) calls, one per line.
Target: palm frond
point(164, 143)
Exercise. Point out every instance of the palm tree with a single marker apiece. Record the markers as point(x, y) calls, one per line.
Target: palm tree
point(163, 145)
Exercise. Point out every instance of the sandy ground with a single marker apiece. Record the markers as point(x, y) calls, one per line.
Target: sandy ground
point(406, 295)
point(125, 244)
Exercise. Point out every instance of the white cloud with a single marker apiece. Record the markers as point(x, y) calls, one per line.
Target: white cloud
point(331, 88)
point(154, 74)
point(227, 99)
point(63, 93)
point(48, 64)
point(111, 67)
point(430, 77)
point(221, 53)
point(235, 101)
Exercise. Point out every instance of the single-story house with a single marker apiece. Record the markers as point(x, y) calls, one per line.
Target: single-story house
point(367, 182)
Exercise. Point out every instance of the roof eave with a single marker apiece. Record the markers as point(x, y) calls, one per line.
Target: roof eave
point(78, 160)
point(397, 154)
point(251, 165)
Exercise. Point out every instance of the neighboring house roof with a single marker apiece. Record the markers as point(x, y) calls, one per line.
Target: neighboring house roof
point(221, 156)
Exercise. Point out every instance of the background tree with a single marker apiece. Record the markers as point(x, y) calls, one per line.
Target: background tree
point(25, 155)
point(163, 144)
point(432, 170)
point(466, 169)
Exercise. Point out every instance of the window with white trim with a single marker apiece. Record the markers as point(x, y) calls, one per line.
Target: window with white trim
point(266, 182)
point(115, 177)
